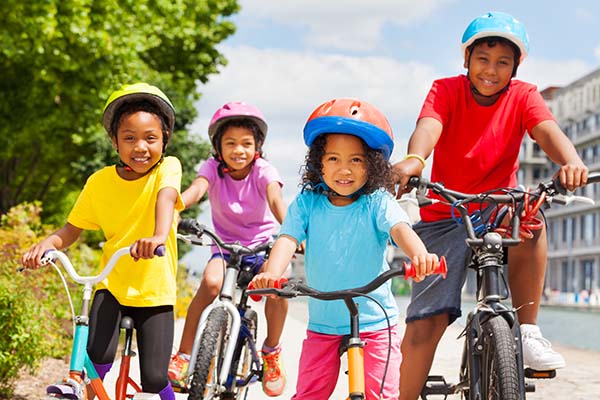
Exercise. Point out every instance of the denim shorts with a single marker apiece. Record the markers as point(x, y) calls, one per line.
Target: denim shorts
point(254, 262)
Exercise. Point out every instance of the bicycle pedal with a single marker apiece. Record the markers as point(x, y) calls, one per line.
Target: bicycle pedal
point(179, 389)
point(534, 374)
point(529, 387)
point(436, 385)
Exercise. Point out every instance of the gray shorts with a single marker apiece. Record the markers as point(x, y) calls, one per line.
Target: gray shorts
point(435, 295)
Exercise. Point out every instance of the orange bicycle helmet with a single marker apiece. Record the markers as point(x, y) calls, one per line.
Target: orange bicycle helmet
point(353, 117)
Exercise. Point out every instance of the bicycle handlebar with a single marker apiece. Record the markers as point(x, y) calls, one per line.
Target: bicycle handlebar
point(292, 288)
point(550, 190)
point(51, 255)
point(193, 227)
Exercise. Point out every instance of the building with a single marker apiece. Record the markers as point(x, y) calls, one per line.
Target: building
point(573, 272)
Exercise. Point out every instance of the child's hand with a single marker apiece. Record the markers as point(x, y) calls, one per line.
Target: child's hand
point(265, 280)
point(424, 264)
point(31, 259)
point(403, 171)
point(573, 175)
point(145, 247)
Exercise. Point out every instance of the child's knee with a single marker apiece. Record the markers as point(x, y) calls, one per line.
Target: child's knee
point(425, 332)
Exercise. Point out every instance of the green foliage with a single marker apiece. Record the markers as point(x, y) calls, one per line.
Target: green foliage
point(60, 59)
point(35, 318)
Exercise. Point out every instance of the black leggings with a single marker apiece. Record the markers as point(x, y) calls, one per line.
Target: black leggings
point(154, 335)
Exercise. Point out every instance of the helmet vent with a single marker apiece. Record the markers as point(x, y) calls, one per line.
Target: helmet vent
point(354, 110)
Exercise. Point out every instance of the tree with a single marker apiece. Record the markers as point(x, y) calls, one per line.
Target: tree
point(60, 60)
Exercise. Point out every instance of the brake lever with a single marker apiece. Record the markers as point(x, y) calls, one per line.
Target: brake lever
point(571, 198)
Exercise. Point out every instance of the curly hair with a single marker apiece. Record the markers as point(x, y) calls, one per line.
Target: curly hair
point(379, 169)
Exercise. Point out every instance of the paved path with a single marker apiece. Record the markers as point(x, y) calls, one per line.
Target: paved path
point(579, 380)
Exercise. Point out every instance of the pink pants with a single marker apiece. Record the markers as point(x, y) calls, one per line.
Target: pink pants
point(320, 365)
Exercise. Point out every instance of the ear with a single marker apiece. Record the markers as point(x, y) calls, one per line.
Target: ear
point(113, 139)
point(467, 56)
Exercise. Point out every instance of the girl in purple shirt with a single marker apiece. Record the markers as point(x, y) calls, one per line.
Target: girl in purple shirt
point(244, 192)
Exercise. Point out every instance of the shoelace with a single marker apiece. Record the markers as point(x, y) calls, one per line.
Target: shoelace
point(540, 339)
point(272, 360)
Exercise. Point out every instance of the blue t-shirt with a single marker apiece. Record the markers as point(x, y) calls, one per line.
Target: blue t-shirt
point(345, 248)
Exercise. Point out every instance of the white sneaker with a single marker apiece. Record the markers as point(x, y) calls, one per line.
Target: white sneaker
point(537, 351)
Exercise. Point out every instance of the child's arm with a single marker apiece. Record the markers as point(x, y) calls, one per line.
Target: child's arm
point(552, 140)
point(64, 237)
point(424, 263)
point(275, 200)
point(164, 212)
point(195, 192)
point(279, 258)
point(421, 143)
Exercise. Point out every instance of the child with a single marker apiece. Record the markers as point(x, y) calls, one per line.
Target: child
point(133, 202)
point(346, 217)
point(476, 125)
point(243, 191)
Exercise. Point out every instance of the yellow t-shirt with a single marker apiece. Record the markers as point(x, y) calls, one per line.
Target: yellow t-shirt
point(125, 212)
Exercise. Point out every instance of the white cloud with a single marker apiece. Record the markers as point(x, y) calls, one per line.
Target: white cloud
point(287, 86)
point(545, 73)
point(341, 24)
point(597, 53)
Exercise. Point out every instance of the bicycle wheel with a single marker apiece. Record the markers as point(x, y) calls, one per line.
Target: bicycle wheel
point(246, 354)
point(499, 375)
point(205, 378)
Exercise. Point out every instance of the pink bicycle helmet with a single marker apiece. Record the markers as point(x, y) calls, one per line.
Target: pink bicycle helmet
point(352, 117)
point(236, 110)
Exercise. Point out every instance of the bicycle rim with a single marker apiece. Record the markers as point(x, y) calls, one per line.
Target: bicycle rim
point(499, 373)
point(205, 378)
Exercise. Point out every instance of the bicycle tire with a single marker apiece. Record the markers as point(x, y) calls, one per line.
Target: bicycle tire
point(205, 378)
point(499, 371)
point(244, 364)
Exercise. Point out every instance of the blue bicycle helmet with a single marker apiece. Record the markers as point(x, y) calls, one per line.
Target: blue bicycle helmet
point(499, 24)
point(352, 117)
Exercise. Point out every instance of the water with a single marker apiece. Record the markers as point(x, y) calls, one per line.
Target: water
point(565, 326)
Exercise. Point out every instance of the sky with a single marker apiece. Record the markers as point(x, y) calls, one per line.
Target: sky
point(289, 56)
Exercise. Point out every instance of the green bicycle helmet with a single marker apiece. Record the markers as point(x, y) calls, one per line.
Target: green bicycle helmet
point(135, 92)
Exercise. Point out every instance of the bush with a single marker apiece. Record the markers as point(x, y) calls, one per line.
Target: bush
point(35, 317)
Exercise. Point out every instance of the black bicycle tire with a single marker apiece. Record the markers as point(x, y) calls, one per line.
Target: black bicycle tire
point(499, 361)
point(212, 342)
point(244, 363)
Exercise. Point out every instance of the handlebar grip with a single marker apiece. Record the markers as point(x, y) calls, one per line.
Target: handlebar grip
point(278, 285)
point(160, 250)
point(442, 269)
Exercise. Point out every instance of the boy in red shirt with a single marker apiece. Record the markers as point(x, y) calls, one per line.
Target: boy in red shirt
point(475, 124)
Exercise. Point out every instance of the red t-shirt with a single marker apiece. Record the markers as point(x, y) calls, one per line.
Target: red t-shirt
point(479, 146)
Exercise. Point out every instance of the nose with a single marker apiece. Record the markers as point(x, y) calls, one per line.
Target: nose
point(140, 145)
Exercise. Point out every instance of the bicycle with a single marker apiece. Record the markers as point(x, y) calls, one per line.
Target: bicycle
point(353, 346)
point(228, 361)
point(81, 369)
point(492, 361)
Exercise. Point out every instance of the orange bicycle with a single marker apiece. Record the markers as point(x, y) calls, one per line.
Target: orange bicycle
point(354, 345)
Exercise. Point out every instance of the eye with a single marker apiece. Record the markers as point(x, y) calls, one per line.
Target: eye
point(357, 160)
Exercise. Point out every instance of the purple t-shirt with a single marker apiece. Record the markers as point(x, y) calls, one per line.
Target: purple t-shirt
point(240, 211)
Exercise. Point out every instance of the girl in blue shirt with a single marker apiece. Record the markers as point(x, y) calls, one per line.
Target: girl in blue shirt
point(346, 217)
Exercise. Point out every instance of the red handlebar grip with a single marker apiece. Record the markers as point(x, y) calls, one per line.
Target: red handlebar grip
point(442, 269)
point(278, 284)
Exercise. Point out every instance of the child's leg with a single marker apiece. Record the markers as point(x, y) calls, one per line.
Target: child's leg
point(105, 317)
point(212, 279)
point(375, 357)
point(418, 348)
point(154, 334)
point(275, 313)
point(319, 366)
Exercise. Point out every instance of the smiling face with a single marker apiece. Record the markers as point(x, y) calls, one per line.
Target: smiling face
point(344, 166)
point(490, 68)
point(139, 142)
point(238, 149)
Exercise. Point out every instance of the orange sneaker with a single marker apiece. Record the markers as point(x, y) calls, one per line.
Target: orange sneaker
point(273, 381)
point(178, 369)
